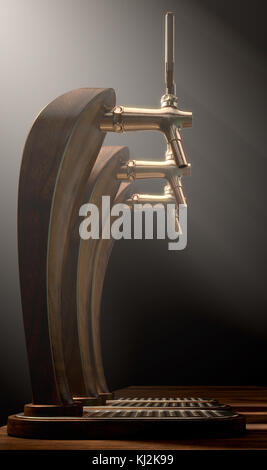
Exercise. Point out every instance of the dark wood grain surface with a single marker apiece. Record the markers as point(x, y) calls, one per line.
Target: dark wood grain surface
point(80, 367)
point(102, 182)
point(102, 254)
point(251, 401)
point(59, 154)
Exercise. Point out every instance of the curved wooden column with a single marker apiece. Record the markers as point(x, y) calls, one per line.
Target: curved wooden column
point(85, 391)
point(81, 390)
point(59, 154)
point(104, 183)
point(94, 294)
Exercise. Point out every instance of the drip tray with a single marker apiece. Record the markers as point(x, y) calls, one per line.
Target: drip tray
point(138, 419)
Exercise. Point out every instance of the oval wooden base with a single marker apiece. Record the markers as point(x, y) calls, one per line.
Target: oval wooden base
point(119, 428)
point(74, 409)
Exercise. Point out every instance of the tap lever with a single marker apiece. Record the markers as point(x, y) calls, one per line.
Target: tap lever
point(169, 53)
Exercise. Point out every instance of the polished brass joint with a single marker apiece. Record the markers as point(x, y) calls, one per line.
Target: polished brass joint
point(117, 119)
point(168, 100)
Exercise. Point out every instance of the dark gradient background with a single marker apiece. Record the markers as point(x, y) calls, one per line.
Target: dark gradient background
point(191, 317)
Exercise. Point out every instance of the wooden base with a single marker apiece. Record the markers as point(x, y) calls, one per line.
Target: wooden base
point(148, 420)
point(74, 409)
point(146, 428)
point(248, 400)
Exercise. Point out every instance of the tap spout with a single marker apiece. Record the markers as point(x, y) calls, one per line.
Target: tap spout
point(149, 169)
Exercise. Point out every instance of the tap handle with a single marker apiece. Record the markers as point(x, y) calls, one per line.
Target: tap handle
point(169, 53)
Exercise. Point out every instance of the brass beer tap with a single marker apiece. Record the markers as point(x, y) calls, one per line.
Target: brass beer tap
point(168, 119)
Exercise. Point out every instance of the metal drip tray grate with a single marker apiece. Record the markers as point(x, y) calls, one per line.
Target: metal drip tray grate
point(176, 399)
point(177, 414)
point(167, 403)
